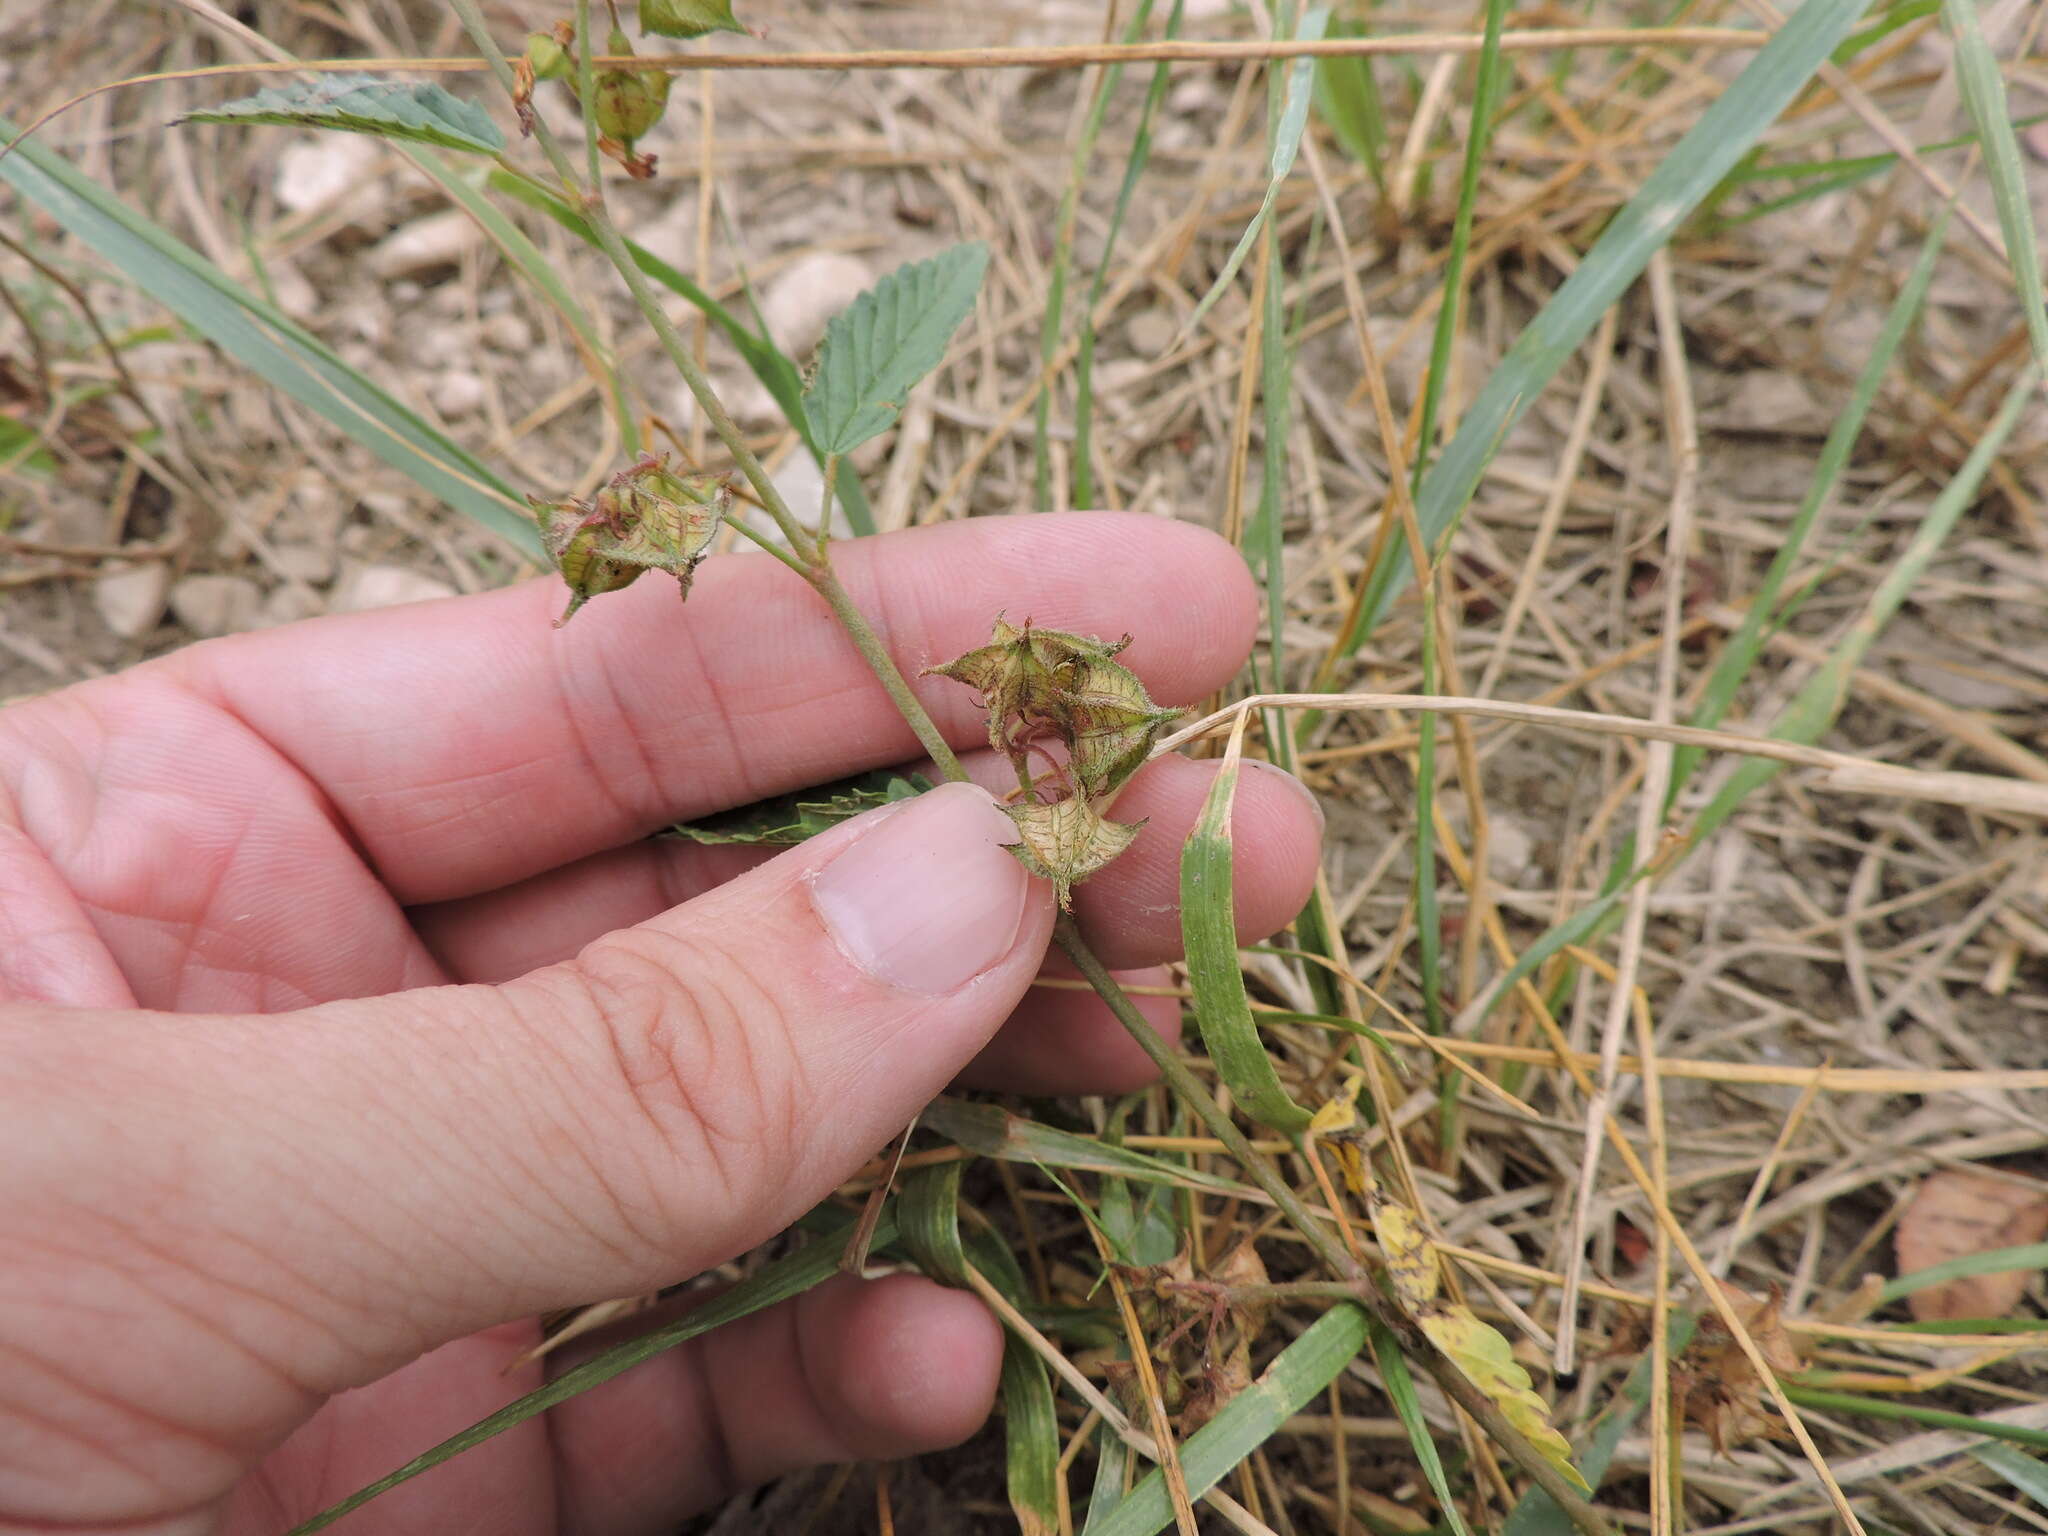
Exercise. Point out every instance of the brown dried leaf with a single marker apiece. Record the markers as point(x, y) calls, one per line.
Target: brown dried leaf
point(1718, 1389)
point(1958, 1212)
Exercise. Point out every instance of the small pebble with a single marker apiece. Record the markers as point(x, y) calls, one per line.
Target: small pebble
point(425, 245)
point(458, 393)
point(508, 333)
point(806, 294)
point(216, 605)
point(131, 599)
point(383, 586)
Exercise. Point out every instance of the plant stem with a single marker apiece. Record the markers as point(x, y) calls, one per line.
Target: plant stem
point(816, 565)
point(812, 555)
point(1357, 1284)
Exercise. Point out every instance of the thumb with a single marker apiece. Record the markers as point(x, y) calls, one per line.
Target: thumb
point(347, 1186)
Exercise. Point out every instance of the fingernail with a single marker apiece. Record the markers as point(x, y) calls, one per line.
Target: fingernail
point(1274, 770)
point(931, 897)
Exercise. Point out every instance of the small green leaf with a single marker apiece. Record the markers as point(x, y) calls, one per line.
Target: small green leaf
point(790, 819)
point(793, 1274)
point(1300, 1371)
point(389, 109)
point(1208, 926)
point(885, 341)
point(687, 18)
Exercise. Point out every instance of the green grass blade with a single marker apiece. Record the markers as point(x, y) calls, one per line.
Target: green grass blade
point(1451, 310)
point(2027, 1256)
point(1112, 1462)
point(1819, 700)
point(1894, 18)
point(1708, 151)
point(1053, 320)
point(1400, 1385)
point(778, 374)
point(527, 260)
point(1347, 97)
point(928, 1211)
point(1286, 144)
point(1984, 96)
point(1283, 1389)
point(266, 342)
point(1084, 357)
point(814, 1263)
point(1913, 1413)
point(2029, 1474)
point(1208, 926)
point(994, 1132)
point(1031, 1440)
point(1746, 644)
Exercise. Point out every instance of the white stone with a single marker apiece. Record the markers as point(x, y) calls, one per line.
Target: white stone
point(425, 245)
point(304, 562)
point(287, 605)
point(292, 291)
point(458, 393)
point(508, 333)
point(131, 600)
point(216, 605)
point(801, 298)
point(383, 586)
point(312, 173)
point(1150, 332)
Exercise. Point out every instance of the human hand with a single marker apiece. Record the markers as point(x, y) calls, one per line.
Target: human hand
point(348, 1020)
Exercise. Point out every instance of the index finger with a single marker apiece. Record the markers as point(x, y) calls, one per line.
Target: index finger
point(466, 744)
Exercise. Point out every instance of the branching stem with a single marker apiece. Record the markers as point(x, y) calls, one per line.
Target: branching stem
point(811, 556)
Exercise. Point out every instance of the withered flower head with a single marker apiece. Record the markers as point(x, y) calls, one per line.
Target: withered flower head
point(646, 517)
point(1067, 841)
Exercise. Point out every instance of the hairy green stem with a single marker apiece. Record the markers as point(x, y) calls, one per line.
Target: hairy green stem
point(815, 561)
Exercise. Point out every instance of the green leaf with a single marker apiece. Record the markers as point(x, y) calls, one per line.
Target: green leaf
point(1747, 642)
point(263, 340)
point(790, 819)
point(1208, 926)
point(2029, 1474)
point(2028, 1256)
point(387, 109)
point(1400, 1384)
point(1984, 96)
point(687, 18)
point(1913, 1413)
point(1347, 96)
point(995, 1132)
point(1300, 1371)
point(1737, 118)
point(930, 1217)
point(885, 341)
point(1286, 144)
point(768, 363)
point(814, 1263)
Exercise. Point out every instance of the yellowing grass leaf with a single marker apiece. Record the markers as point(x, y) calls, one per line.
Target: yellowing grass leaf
point(1412, 1265)
point(1485, 1356)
